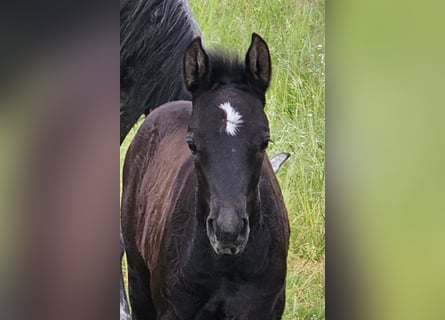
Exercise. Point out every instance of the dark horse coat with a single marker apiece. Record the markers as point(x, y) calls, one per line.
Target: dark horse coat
point(204, 222)
point(154, 35)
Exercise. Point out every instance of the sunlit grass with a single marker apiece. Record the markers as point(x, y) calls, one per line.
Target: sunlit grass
point(294, 31)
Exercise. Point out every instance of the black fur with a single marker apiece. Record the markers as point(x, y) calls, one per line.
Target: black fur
point(203, 218)
point(224, 68)
point(154, 35)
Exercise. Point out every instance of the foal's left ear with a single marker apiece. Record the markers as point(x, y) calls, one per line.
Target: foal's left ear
point(258, 61)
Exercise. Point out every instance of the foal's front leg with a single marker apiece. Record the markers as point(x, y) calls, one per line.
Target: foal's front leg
point(255, 303)
point(139, 289)
point(168, 315)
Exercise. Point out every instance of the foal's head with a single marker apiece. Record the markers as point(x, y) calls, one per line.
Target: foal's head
point(228, 134)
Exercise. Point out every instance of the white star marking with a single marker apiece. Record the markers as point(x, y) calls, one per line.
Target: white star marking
point(233, 119)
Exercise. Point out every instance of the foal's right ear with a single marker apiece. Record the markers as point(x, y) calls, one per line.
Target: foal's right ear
point(195, 64)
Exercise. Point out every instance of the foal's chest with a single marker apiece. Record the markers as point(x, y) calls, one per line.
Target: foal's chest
point(226, 300)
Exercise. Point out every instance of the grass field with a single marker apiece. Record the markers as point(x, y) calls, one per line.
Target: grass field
point(294, 31)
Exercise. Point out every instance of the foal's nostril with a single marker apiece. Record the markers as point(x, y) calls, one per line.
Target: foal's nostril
point(245, 228)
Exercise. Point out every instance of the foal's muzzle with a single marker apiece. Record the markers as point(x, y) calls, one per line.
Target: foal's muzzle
point(228, 228)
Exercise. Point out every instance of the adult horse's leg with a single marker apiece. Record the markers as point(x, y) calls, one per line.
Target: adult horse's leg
point(124, 310)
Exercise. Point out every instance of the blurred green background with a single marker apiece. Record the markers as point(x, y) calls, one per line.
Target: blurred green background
point(385, 138)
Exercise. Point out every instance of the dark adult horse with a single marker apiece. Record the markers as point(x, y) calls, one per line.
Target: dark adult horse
point(154, 35)
point(204, 221)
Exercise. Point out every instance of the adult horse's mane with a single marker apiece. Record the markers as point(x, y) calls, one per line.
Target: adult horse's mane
point(154, 35)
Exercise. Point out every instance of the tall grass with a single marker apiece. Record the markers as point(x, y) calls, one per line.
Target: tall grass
point(294, 31)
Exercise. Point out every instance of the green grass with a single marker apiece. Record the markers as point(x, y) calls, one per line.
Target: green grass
point(294, 31)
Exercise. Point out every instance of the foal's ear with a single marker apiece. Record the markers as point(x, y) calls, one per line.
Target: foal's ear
point(195, 64)
point(258, 61)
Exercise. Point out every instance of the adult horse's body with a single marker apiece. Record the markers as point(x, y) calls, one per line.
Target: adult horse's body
point(154, 35)
point(204, 222)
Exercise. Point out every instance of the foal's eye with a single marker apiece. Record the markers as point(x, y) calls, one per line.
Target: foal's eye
point(191, 145)
point(264, 144)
